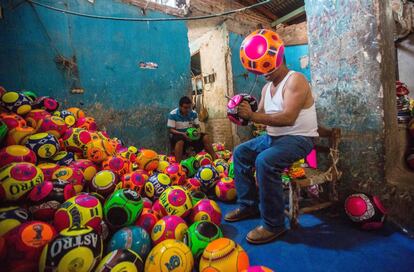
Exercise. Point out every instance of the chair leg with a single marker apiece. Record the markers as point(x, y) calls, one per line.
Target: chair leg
point(333, 194)
point(294, 205)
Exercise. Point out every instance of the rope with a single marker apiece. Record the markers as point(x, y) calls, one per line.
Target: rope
point(147, 19)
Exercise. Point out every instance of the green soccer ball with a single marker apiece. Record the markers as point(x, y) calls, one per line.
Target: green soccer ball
point(193, 134)
point(231, 170)
point(199, 235)
point(122, 208)
point(190, 166)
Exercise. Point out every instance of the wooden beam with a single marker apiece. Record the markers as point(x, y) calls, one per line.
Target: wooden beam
point(290, 16)
point(261, 9)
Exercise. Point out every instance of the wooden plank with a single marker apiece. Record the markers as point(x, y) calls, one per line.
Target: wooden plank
point(261, 9)
point(290, 16)
point(316, 207)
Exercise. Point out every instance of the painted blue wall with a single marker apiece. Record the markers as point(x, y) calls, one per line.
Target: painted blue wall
point(131, 103)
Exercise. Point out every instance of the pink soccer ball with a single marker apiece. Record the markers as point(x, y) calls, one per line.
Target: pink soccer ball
point(168, 227)
point(206, 209)
point(226, 189)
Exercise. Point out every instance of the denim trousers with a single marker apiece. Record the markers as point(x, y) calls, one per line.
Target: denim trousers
point(269, 155)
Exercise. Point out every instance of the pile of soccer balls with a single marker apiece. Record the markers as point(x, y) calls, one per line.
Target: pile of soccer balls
point(74, 199)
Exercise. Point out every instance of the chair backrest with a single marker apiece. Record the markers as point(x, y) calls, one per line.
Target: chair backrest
point(333, 135)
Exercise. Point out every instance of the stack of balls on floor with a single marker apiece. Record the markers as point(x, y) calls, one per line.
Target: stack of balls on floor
point(75, 199)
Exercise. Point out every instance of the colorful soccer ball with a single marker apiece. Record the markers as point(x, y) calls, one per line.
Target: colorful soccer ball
point(71, 174)
point(258, 269)
point(221, 165)
point(67, 116)
point(46, 198)
point(19, 135)
point(192, 184)
point(176, 201)
point(75, 139)
point(196, 196)
point(78, 113)
point(44, 145)
point(134, 238)
point(78, 248)
point(48, 169)
point(366, 211)
point(11, 217)
point(156, 185)
point(122, 208)
point(224, 254)
point(162, 165)
point(87, 123)
point(193, 134)
point(87, 167)
point(103, 182)
point(218, 147)
point(199, 235)
point(35, 118)
point(262, 52)
point(176, 174)
point(83, 210)
point(121, 260)
point(147, 219)
point(204, 158)
point(208, 176)
point(147, 160)
point(168, 227)
point(226, 189)
point(232, 108)
point(16, 102)
point(206, 209)
point(16, 153)
point(3, 131)
point(170, 255)
point(46, 103)
point(17, 179)
point(190, 166)
point(134, 181)
point(53, 125)
point(12, 120)
point(64, 158)
point(230, 173)
point(98, 150)
point(117, 164)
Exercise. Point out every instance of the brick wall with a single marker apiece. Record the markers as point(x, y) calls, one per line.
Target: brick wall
point(294, 34)
point(220, 131)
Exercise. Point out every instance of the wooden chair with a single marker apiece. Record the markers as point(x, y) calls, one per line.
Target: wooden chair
point(317, 176)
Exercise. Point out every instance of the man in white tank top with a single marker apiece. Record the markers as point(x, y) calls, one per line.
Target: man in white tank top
point(287, 108)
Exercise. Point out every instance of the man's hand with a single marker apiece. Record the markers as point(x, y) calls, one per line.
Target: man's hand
point(244, 110)
point(186, 136)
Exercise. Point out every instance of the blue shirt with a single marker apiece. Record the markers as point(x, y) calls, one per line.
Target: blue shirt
point(180, 122)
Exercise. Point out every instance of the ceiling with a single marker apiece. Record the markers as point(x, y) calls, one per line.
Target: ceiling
point(276, 8)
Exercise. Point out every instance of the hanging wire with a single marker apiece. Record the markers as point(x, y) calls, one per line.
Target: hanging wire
point(147, 19)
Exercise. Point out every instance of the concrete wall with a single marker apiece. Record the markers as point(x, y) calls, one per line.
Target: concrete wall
point(131, 103)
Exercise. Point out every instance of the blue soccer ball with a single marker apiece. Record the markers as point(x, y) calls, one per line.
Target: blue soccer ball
point(134, 238)
point(208, 176)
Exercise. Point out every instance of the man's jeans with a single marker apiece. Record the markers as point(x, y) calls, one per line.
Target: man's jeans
point(270, 156)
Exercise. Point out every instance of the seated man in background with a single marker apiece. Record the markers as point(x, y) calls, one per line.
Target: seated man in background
point(179, 120)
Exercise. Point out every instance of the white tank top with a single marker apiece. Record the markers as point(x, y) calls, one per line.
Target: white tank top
point(305, 125)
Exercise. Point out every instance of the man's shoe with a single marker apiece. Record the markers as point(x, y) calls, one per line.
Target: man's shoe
point(241, 213)
point(260, 235)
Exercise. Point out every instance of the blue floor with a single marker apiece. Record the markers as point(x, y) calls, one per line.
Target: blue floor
point(326, 244)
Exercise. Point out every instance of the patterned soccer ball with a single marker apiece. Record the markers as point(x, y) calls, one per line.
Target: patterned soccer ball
point(156, 185)
point(122, 208)
point(208, 210)
point(35, 118)
point(190, 166)
point(208, 176)
point(53, 125)
point(147, 160)
point(233, 104)
point(3, 131)
point(224, 254)
point(199, 235)
point(46, 198)
point(75, 139)
point(87, 167)
point(147, 219)
point(204, 158)
point(12, 120)
point(162, 165)
point(258, 269)
point(226, 189)
point(121, 260)
point(87, 123)
point(176, 174)
point(168, 227)
point(98, 150)
point(176, 201)
point(19, 135)
point(16, 102)
point(46, 103)
point(134, 238)
point(196, 196)
point(170, 255)
point(367, 211)
point(44, 145)
point(78, 113)
point(48, 169)
point(117, 164)
point(82, 209)
point(134, 181)
point(193, 134)
point(104, 182)
point(71, 174)
point(16, 153)
point(17, 179)
point(221, 165)
point(192, 184)
point(262, 52)
point(67, 116)
point(78, 248)
point(11, 217)
point(63, 158)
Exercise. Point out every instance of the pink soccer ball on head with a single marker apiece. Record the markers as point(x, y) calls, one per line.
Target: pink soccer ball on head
point(366, 211)
point(232, 108)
